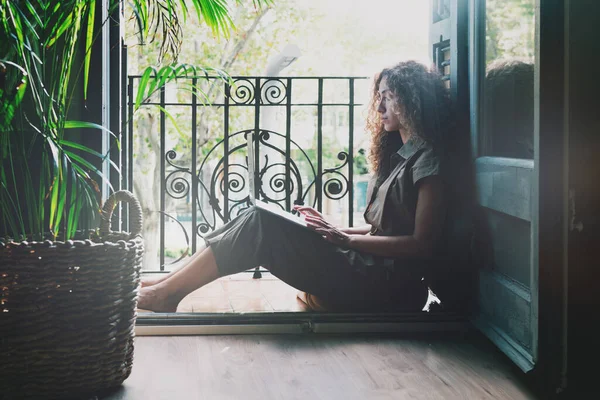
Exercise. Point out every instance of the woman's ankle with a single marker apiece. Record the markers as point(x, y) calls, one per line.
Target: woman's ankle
point(152, 280)
point(156, 278)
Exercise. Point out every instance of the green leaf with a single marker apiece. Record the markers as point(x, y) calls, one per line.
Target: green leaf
point(30, 198)
point(71, 221)
point(85, 163)
point(90, 125)
point(74, 203)
point(54, 201)
point(165, 75)
point(184, 10)
point(216, 15)
point(62, 198)
point(17, 25)
point(142, 87)
point(61, 27)
point(54, 151)
point(86, 149)
point(88, 46)
point(140, 19)
point(9, 104)
point(42, 191)
point(33, 13)
point(173, 121)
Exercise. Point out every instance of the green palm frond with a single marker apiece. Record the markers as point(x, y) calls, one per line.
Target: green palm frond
point(166, 16)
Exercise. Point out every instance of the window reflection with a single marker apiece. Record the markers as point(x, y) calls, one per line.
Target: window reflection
point(508, 85)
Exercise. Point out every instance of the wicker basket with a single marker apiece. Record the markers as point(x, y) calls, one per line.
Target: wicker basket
point(68, 310)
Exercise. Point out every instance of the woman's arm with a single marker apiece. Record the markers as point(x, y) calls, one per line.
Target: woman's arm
point(429, 220)
point(357, 230)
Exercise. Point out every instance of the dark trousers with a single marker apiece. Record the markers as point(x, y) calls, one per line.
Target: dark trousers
point(306, 261)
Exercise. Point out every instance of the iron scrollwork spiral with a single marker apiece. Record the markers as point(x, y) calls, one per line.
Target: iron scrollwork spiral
point(337, 186)
point(177, 186)
point(273, 91)
point(236, 181)
point(276, 178)
point(242, 91)
point(278, 185)
point(202, 229)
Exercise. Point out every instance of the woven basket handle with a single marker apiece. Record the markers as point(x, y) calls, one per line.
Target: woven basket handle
point(135, 212)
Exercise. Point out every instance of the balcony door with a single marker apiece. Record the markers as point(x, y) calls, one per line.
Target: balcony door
point(485, 50)
point(503, 71)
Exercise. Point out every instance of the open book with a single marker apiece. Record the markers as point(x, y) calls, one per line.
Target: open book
point(272, 208)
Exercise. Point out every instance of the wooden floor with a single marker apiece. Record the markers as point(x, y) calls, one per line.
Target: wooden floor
point(240, 293)
point(311, 367)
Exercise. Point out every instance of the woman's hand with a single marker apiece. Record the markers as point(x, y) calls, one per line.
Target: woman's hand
point(329, 232)
point(305, 210)
point(316, 222)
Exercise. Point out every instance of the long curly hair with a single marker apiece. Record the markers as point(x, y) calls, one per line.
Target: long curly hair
point(422, 104)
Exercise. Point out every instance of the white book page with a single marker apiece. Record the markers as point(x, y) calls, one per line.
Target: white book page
point(299, 219)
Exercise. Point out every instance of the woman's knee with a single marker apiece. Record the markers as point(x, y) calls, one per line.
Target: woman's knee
point(252, 212)
point(262, 218)
point(256, 226)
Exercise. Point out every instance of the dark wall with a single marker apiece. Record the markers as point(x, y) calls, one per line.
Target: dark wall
point(583, 91)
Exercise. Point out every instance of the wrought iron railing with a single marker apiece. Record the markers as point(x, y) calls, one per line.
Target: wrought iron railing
point(208, 185)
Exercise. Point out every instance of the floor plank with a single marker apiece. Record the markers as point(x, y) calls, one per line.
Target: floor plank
point(319, 367)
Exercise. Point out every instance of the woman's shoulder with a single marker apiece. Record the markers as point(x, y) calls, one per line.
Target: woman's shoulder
point(428, 160)
point(418, 149)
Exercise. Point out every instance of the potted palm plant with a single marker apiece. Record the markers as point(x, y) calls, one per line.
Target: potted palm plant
point(67, 290)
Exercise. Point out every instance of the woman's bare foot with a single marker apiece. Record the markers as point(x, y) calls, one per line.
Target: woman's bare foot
point(312, 301)
point(156, 298)
point(152, 281)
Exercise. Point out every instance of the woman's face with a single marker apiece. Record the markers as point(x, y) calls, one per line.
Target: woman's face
point(386, 107)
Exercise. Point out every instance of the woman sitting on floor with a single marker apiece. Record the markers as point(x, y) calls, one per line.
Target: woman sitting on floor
point(377, 267)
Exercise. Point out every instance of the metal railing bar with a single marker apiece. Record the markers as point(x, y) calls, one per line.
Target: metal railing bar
point(194, 163)
point(351, 153)
point(257, 101)
point(203, 77)
point(226, 152)
point(288, 138)
point(319, 184)
point(252, 105)
point(130, 148)
point(163, 192)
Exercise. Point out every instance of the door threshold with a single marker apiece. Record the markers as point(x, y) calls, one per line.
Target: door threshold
point(292, 323)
